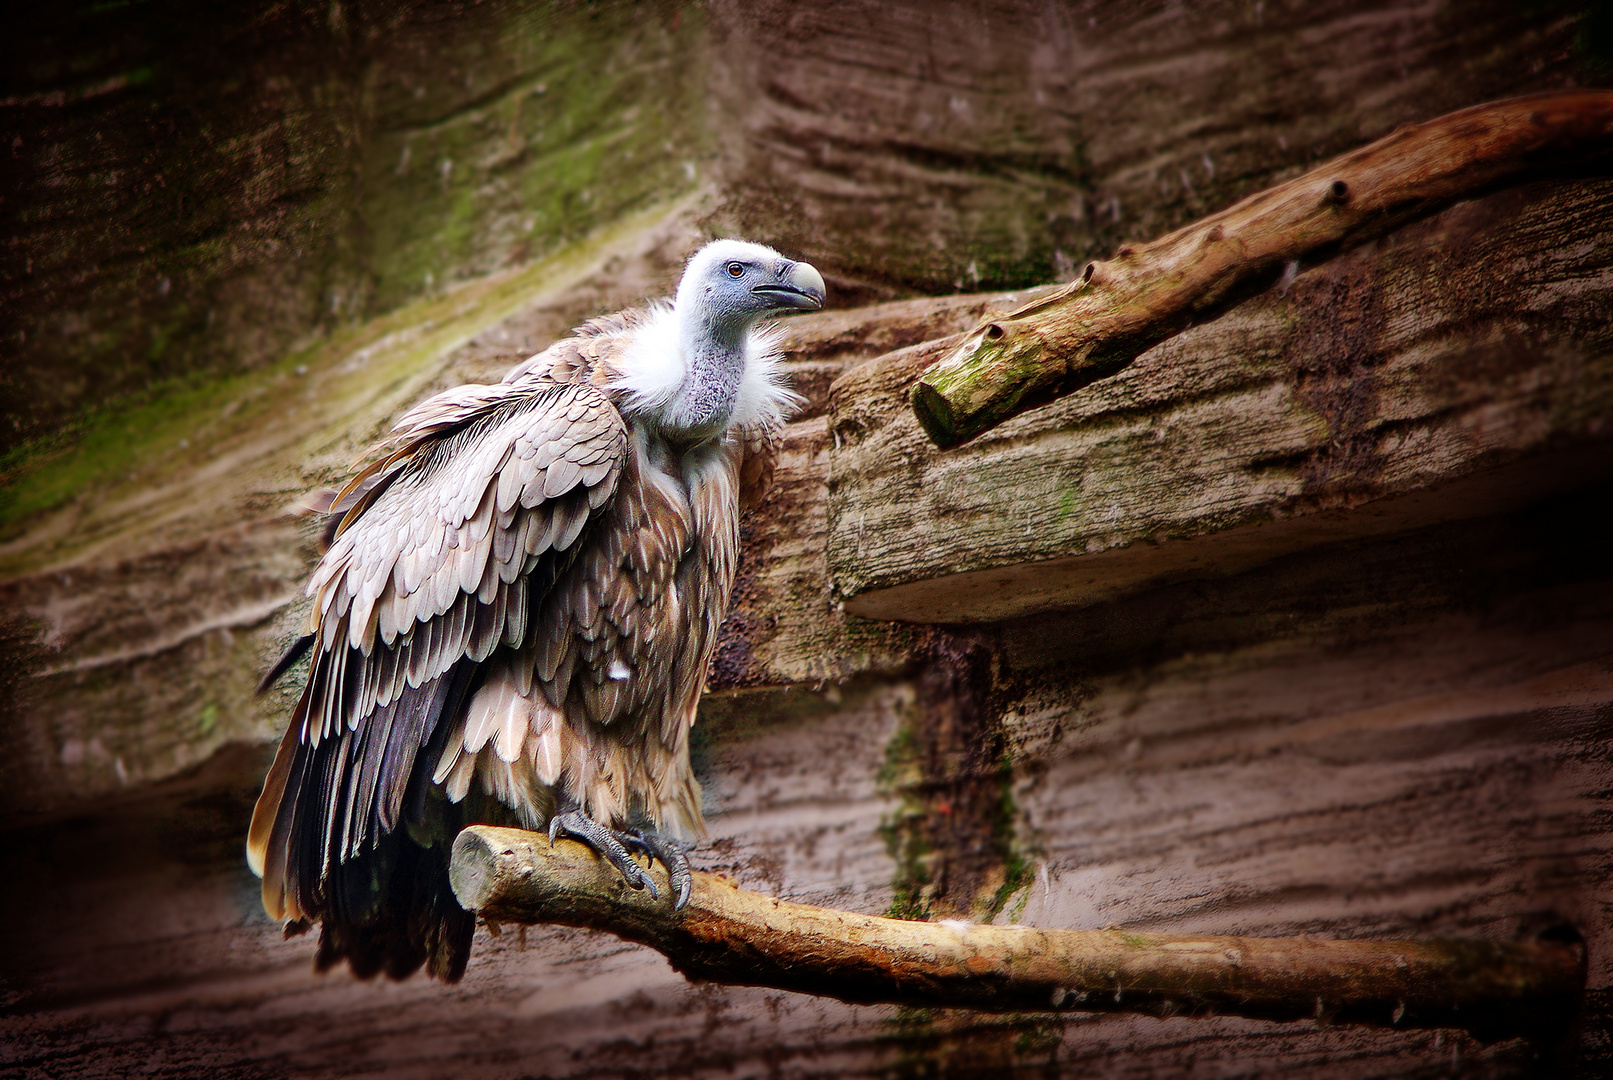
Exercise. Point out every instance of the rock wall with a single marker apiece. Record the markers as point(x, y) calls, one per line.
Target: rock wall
point(960, 146)
point(1299, 625)
point(192, 190)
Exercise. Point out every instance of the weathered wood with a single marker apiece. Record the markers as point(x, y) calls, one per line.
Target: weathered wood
point(732, 935)
point(1118, 309)
point(1461, 366)
point(784, 626)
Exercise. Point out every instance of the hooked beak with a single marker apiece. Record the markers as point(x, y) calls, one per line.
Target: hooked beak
point(799, 288)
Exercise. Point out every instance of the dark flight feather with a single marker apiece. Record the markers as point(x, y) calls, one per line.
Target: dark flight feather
point(297, 650)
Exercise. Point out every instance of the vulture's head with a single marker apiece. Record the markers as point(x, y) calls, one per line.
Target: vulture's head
point(706, 364)
point(730, 284)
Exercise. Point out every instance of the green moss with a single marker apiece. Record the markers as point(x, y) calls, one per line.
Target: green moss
point(907, 829)
point(593, 111)
point(101, 447)
point(207, 722)
point(902, 829)
point(132, 448)
point(1036, 1035)
point(1018, 874)
point(1069, 502)
point(1017, 868)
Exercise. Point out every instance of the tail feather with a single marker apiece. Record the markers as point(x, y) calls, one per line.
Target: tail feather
point(391, 911)
point(347, 833)
point(264, 814)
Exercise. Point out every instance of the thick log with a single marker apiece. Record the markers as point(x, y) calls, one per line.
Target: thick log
point(1456, 368)
point(1116, 310)
point(732, 935)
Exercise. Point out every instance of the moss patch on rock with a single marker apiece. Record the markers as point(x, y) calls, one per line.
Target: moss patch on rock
point(198, 188)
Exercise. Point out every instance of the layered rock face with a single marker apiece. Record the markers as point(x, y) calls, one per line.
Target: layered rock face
point(1298, 625)
point(194, 190)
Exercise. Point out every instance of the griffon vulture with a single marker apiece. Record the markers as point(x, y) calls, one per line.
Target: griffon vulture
point(515, 616)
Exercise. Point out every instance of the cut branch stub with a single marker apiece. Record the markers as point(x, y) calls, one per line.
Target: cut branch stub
point(731, 935)
point(1118, 309)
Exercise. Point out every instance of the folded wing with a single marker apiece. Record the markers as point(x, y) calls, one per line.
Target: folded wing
point(443, 558)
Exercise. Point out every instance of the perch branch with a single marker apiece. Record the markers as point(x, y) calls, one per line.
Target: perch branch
point(731, 935)
point(1117, 310)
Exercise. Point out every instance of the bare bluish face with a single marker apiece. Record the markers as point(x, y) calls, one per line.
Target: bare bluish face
point(727, 288)
point(730, 284)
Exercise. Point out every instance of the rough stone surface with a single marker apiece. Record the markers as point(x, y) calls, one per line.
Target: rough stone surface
point(192, 189)
point(163, 569)
point(1390, 724)
point(198, 188)
point(1387, 736)
point(961, 146)
point(1393, 737)
point(191, 944)
point(211, 589)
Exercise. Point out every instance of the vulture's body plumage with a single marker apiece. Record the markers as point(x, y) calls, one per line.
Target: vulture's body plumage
point(514, 620)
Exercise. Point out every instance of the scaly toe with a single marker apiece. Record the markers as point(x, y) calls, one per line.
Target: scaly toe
point(584, 829)
point(672, 856)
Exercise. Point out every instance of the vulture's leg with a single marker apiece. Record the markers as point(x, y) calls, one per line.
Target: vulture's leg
point(579, 826)
point(672, 855)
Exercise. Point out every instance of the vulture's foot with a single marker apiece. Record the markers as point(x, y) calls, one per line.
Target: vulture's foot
point(580, 827)
point(672, 855)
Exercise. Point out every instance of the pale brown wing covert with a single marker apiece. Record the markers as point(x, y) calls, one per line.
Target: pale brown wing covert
point(436, 567)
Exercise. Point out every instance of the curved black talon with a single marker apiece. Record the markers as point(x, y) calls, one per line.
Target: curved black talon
point(578, 826)
point(672, 856)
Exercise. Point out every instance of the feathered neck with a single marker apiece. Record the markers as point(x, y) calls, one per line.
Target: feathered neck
point(697, 382)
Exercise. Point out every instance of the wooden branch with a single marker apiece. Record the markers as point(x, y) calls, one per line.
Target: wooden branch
point(1119, 309)
point(731, 935)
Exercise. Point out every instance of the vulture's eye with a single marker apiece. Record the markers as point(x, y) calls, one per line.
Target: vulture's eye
point(735, 270)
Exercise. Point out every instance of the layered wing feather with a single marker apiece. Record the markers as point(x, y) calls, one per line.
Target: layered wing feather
point(456, 539)
point(599, 704)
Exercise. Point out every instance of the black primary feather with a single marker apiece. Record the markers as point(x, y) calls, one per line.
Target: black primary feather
point(381, 892)
point(297, 651)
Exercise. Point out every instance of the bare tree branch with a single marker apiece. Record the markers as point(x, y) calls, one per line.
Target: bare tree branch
point(731, 935)
point(1116, 310)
